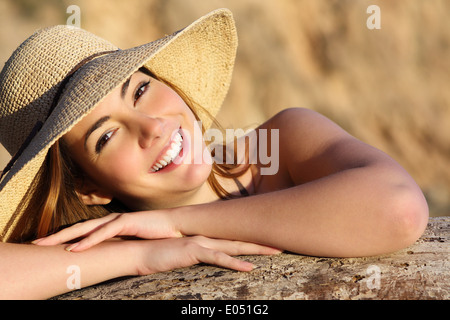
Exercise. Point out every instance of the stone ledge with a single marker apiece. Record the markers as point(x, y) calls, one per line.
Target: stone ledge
point(421, 271)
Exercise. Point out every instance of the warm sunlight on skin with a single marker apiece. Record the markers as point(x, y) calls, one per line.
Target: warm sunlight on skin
point(298, 182)
point(137, 127)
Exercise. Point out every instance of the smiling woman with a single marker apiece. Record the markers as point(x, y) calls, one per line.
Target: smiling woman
point(127, 146)
point(114, 136)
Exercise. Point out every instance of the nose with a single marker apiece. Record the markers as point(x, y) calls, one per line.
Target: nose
point(148, 129)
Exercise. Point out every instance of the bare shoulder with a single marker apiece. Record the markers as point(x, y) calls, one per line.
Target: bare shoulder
point(312, 146)
point(304, 132)
point(303, 120)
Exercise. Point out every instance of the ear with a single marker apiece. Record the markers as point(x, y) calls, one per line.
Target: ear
point(90, 194)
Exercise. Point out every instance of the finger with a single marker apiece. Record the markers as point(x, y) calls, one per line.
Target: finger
point(232, 247)
point(248, 248)
point(78, 230)
point(104, 232)
point(221, 259)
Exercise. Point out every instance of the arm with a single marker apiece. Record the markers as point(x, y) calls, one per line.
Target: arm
point(37, 272)
point(34, 272)
point(348, 198)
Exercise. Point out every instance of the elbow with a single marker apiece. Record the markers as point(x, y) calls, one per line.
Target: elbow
point(408, 216)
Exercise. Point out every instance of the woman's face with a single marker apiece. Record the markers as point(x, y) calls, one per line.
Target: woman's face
point(139, 145)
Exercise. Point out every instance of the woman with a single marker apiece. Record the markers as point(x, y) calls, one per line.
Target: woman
point(130, 141)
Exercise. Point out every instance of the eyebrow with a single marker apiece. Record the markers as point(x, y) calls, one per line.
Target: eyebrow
point(94, 127)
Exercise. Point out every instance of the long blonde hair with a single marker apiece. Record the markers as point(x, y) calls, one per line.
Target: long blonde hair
point(52, 203)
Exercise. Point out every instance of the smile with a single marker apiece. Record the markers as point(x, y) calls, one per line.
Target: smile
point(171, 153)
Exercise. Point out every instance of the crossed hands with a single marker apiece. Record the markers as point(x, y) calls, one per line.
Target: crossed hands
point(165, 248)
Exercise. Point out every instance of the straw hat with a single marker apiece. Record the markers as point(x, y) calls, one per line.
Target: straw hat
point(59, 74)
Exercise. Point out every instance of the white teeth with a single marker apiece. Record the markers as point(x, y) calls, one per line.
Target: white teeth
point(170, 155)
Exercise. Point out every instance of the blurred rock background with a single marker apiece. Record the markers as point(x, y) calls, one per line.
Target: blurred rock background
point(387, 87)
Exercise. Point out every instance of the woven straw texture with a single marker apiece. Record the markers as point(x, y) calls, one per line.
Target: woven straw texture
point(198, 59)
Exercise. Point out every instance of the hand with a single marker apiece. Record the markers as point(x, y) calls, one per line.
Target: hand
point(168, 254)
point(145, 225)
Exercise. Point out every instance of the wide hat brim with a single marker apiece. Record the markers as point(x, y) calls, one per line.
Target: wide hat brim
point(197, 59)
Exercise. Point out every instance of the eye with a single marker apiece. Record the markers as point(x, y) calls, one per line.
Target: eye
point(103, 140)
point(140, 91)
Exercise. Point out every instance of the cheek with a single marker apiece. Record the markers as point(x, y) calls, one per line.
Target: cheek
point(120, 169)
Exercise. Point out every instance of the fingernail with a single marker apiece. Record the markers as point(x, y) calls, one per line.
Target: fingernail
point(37, 241)
point(72, 246)
point(253, 267)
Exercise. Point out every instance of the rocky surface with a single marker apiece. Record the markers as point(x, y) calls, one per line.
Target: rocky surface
point(421, 271)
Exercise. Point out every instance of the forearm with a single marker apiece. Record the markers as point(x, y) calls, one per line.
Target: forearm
point(36, 272)
point(356, 212)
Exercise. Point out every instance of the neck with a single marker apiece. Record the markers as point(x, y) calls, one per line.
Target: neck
point(205, 193)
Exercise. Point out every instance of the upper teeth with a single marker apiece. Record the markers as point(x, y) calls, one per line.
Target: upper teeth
point(170, 155)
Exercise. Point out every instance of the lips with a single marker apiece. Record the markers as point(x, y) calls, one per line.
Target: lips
point(170, 154)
